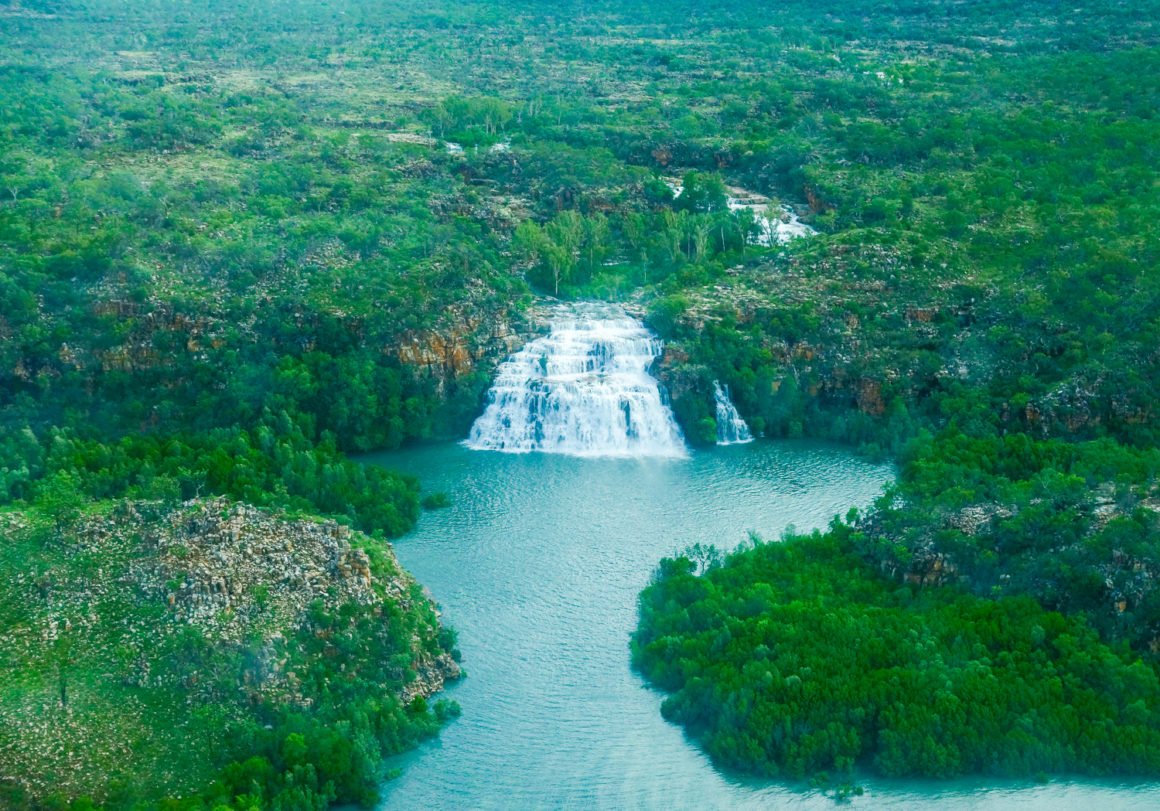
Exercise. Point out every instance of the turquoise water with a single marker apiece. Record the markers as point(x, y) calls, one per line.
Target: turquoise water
point(538, 564)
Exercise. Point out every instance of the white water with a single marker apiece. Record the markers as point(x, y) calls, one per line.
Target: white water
point(731, 429)
point(584, 389)
point(778, 229)
point(775, 225)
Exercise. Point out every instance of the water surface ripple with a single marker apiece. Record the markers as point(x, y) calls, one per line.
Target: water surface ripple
point(538, 564)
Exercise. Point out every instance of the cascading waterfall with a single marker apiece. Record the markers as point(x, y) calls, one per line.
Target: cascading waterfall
point(775, 226)
point(731, 429)
point(583, 389)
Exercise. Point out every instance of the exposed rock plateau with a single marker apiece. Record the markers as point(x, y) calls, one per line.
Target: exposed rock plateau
point(190, 618)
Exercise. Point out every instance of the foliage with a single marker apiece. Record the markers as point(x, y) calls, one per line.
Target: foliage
point(1071, 524)
point(295, 713)
point(797, 657)
point(232, 251)
point(274, 466)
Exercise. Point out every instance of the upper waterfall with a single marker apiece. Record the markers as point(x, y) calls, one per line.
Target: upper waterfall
point(583, 389)
point(731, 429)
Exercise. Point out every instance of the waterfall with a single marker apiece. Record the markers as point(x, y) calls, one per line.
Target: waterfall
point(776, 227)
point(583, 389)
point(731, 429)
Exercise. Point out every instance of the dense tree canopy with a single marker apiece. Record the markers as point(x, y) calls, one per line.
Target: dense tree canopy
point(797, 657)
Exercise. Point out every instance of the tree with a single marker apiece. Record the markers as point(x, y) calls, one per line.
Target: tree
point(59, 497)
point(555, 247)
point(561, 261)
point(702, 192)
point(701, 231)
point(596, 239)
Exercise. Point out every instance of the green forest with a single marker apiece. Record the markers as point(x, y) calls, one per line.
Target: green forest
point(240, 246)
point(797, 658)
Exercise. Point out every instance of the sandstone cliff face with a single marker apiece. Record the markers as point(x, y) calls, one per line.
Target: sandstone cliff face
point(464, 343)
point(161, 338)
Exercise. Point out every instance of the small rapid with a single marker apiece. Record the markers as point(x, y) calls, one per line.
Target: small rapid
point(775, 223)
point(584, 389)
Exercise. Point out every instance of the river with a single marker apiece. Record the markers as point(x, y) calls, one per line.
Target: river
point(538, 563)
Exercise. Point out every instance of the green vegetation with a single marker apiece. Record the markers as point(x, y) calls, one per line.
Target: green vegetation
point(979, 305)
point(234, 248)
point(794, 658)
point(995, 613)
point(983, 267)
point(269, 468)
point(436, 501)
point(185, 658)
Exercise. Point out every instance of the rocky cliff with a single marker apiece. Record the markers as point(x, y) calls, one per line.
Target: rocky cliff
point(461, 344)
